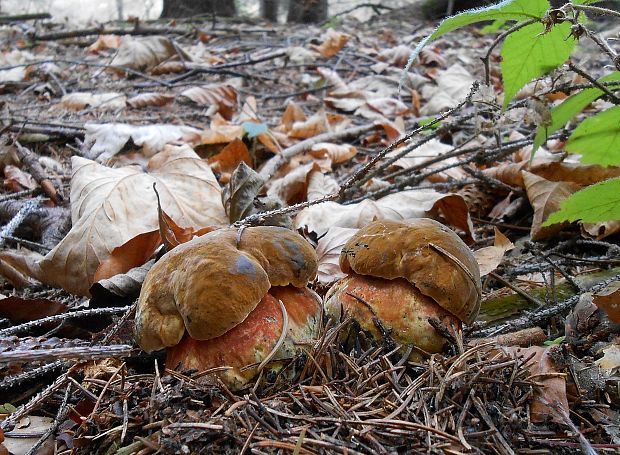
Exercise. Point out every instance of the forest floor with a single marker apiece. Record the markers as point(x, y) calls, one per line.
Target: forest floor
point(92, 118)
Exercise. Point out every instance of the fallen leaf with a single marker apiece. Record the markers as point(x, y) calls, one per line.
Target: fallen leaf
point(490, 257)
point(103, 101)
point(397, 56)
point(608, 300)
point(150, 99)
point(332, 42)
point(545, 197)
point(328, 251)
point(301, 56)
point(109, 138)
point(104, 42)
point(337, 153)
point(17, 180)
point(320, 185)
point(292, 114)
point(453, 85)
point(551, 398)
point(399, 206)
point(144, 52)
point(222, 97)
point(429, 150)
point(293, 187)
point(111, 206)
point(221, 131)
point(230, 156)
point(239, 195)
point(310, 127)
point(600, 230)
point(582, 174)
point(115, 291)
point(610, 359)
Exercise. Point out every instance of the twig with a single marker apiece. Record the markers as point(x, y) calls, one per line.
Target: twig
point(79, 352)
point(60, 416)
point(613, 98)
point(31, 163)
point(24, 17)
point(63, 317)
point(538, 316)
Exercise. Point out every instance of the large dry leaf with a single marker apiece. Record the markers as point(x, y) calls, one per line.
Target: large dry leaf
point(399, 206)
point(332, 42)
point(103, 101)
point(328, 251)
point(104, 42)
point(545, 197)
point(337, 153)
point(222, 97)
point(109, 138)
point(490, 257)
point(144, 52)
point(321, 185)
point(111, 206)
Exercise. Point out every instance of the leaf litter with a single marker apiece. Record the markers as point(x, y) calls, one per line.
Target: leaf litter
point(225, 122)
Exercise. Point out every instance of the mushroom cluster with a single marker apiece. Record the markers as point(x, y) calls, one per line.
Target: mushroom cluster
point(231, 298)
point(400, 275)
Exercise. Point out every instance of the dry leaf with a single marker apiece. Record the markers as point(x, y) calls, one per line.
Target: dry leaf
point(328, 251)
point(293, 187)
point(301, 56)
point(311, 127)
point(104, 101)
point(332, 78)
point(332, 42)
point(582, 174)
point(425, 152)
point(453, 85)
point(109, 138)
point(321, 185)
point(608, 300)
point(490, 257)
point(610, 359)
point(399, 206)
point(292, 114)
point(508, 173)
point(150, 99)
point(600, 230)
point(111, 206)
point(337, 153)
point(239, 195)
point(104, 42)
point(545, 197)
point(144, 52)
point(222, 97)
point(551, 399)
point(17, 180)
point(221, 131)
point(230, 156)
point(397, 56)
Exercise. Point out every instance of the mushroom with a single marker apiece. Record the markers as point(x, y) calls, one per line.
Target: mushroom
point(400, 275)
point(230, 298)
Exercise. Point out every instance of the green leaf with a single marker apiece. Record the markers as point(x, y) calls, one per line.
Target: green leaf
point(558, 340)
point(506, 10)
point(570, 107)
point(529, 53)
point(597, 138)
point(600, 202)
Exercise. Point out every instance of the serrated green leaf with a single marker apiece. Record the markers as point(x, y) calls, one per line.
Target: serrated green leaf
point(506, 10)
point(570, 107)
point(529, 53)
point(600, 202)
point(597, 138)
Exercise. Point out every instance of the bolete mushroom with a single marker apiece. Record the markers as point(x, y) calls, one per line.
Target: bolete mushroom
point(401, 274)
point(215, 301)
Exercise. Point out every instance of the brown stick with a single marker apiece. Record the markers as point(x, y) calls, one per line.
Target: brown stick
point(31, 162)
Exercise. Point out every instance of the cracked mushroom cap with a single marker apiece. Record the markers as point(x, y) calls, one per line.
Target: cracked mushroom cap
point(210, 284)
point(425, 253)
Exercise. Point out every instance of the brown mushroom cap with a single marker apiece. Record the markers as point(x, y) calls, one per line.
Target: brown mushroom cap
point(401, 309)
point(251, 341)
point(210, 284)
point(424, 252)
